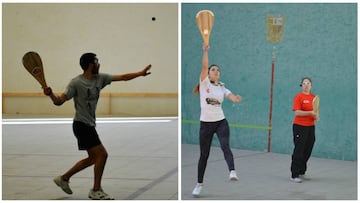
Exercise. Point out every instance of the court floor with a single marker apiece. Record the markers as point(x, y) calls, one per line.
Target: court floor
point(142, 162)
point(266, 176)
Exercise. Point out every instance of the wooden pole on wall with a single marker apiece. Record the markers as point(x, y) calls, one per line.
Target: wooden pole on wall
point(271, 99)
point(275, 30)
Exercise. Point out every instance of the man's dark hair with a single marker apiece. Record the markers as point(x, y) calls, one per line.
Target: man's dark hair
point(86, 59)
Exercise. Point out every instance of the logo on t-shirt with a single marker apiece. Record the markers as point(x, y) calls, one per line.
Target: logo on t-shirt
point(212, 101)
point(208, 90)
point(306, 101)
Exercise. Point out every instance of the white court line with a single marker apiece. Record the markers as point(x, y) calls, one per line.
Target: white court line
point(112, 120)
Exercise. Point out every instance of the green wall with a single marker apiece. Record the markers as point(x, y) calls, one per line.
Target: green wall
point(320, 41)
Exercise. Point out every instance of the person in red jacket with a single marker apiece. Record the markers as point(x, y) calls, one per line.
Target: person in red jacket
point(303, 130)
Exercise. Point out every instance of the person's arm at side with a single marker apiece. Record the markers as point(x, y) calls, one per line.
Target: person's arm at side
point(304, 113)
point(234, 98)
point(130, 76)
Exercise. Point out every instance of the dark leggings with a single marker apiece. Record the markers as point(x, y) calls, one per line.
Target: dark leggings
point(304, 139)
point(207, 130)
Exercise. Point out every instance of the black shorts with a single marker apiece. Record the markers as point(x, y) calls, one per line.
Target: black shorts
point(86, 135)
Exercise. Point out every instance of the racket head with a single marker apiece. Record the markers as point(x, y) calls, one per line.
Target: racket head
point(33, 64)
point(316, 103)
point(205, 21)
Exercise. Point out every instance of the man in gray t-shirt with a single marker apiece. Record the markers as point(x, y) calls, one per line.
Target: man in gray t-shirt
point(85, 90)
point(86, 94)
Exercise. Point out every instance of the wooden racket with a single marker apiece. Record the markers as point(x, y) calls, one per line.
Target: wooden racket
point(316, 106)
point(33, 64)
point(205, 21)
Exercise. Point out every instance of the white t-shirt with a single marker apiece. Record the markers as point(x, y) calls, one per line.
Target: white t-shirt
point(211, 97)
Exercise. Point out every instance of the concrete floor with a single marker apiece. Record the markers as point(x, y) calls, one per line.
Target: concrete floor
point(143, 165)
point(266, 176)
point(142, 162)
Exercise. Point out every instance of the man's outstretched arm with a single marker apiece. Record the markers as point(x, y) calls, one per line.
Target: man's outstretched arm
point(130, 76)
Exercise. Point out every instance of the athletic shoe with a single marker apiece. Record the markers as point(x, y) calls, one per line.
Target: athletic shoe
point(296, 179)
point(63, 184)
point(197, 190)
point(233, 176)
point(99, 195)
point(304, 177)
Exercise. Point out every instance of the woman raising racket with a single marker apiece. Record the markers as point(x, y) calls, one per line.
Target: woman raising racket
point(212, 119)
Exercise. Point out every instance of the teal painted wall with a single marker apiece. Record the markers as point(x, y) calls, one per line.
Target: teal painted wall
point(320, 41)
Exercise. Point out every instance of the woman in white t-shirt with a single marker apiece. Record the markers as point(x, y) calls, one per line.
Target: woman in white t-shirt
point(212, 119)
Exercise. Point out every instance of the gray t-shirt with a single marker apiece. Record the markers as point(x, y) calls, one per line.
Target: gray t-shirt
point(86, 95)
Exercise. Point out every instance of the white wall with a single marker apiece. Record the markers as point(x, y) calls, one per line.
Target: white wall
point(123, 35)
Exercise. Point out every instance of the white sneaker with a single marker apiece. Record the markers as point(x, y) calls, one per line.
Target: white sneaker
point(296, 180)
point(197, 190)
point(99, 195)
point(233, 176)
point(304, 177)
point(64, 185)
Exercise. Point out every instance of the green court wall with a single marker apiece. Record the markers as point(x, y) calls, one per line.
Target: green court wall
point(320, 41)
